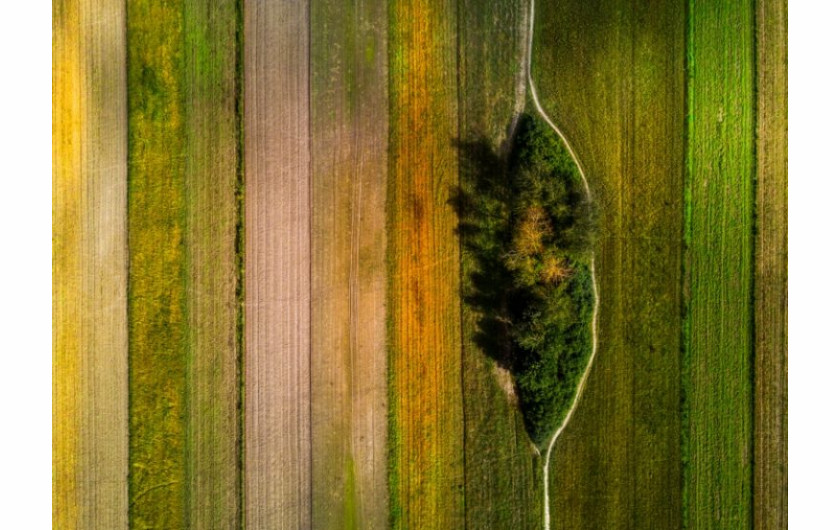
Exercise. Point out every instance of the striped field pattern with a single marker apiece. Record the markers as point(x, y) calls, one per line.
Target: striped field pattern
point(259, 290)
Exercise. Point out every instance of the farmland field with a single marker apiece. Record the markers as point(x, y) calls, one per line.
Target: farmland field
point(323, 264)
point(278, 480)
point(610, 75)
point(770, 424)
point(90, 426)
point(349, 90)
point(502, 487)
point(182, 217)
point(718, 356)
point(425, 375)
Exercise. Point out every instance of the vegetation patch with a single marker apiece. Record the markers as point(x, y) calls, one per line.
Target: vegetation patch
point(529, 227)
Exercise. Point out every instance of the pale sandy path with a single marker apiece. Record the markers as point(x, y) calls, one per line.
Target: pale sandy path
point(89, 214)
point(349, 117)
point(585, 376)
point(277, 266)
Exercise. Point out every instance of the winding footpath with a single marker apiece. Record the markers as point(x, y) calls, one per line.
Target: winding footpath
point(579, 391)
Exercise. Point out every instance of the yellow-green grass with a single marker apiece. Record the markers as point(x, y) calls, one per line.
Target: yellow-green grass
point(502, 488)
point(770, 465)
point(424, 331)
point(182, 219)
point(717, 361)
point(349, 131)
point(90, 424)
point(157, 303)
point(611, 75)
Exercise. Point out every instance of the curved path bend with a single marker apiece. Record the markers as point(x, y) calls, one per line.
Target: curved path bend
point(579, 391)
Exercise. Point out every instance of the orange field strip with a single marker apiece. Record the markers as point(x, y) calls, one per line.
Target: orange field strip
point(425, 335)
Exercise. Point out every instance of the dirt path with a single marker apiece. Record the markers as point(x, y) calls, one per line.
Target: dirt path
point(277, 266)
point(90, 421)
point(582, 383)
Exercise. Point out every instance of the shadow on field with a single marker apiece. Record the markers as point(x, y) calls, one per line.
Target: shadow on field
point(483, 205)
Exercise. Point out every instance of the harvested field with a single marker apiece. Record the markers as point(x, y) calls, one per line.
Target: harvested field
point(426, 402)
point(610, 75)
point(90, 426)
point(349, 120)
point(770, 443)
point(277, 266)
point(718, 359)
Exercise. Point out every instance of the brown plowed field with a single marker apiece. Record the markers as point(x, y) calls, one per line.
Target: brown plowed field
point(277, 266)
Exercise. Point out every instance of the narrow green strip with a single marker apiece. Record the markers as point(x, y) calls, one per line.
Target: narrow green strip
point(720, 197)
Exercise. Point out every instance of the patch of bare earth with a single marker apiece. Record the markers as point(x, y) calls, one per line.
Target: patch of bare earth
point(277, 266)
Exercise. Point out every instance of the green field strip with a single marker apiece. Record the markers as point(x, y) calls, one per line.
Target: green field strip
point(611, 75)
point(211, 152)
point(182, 225)
point(157, 284)
point(718, 358)
point(426, 404)
point(502, 488)
point(770, 428)
point(349, 130)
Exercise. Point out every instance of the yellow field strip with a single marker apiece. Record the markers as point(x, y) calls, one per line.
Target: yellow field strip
point(90, 420)
point(770, 444)
point(349, 116)
point(67, 214)
point(277, 266)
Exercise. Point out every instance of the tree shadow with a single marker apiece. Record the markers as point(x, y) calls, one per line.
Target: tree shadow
point(482, 202)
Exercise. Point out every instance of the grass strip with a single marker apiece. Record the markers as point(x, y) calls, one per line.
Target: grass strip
point(718, 354)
